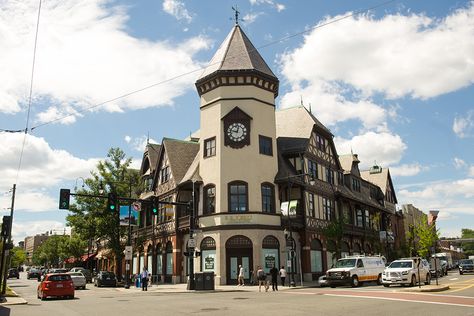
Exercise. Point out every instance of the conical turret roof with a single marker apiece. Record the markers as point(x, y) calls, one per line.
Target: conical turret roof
point(237, 53)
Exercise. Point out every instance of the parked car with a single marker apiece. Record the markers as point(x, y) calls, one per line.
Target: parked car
point(322, 281)
point(105, 278)
point(466, 265)
point(355, 270)
point(86, 272)
point(405, 272)
point(58, 270)
point(78, 279)
point(33, 274)
point(13, 273)
point(56, 285)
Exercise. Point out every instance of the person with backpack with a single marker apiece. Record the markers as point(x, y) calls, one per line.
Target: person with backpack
point(261, 277)
point(274, 274)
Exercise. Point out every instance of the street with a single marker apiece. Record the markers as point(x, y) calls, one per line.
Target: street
point(366, 300)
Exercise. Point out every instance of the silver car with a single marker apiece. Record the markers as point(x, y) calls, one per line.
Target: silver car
point(78, 279)
point(405, 272)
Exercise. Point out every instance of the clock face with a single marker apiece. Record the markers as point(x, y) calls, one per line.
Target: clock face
point(236, 132)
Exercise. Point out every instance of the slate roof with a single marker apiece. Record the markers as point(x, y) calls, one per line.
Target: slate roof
point(151, 153)
point(237, 53)
point(193, 171)
point(297, 122)
point(381, 179)
point(181, 154)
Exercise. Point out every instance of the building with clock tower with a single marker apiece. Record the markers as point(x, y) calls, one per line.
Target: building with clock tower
point(245, 169)
point(238, 161)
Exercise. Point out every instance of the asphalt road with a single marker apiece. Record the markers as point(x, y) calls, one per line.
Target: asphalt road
point(366, 300)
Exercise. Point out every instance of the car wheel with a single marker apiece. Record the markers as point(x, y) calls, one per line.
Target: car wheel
point(413, 280)
point(355, 281)
point(386, 285)
point(428, 280)
point(461, 273)
point(379, 280)
point(332, 286)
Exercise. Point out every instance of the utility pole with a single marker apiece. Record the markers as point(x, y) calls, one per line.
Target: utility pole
point(6, 257)
point(191, 283)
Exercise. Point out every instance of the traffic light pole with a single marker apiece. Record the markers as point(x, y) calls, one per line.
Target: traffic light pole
point(191, 283)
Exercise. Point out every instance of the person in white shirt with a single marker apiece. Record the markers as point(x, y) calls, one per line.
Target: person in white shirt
point(144, 278)
point(282, 275)
point(240, 278)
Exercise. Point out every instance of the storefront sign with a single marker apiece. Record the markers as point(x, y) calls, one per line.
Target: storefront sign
point(209, 263)
point(237, 219)
point(269, 261)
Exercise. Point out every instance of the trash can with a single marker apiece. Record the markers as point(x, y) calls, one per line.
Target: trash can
point(208, 280)
point(198, 281)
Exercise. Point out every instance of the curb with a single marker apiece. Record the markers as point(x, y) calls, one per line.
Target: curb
point(427, 290)
point(13, 300)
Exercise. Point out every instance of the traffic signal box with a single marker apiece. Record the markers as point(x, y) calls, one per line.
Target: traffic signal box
point(6, 226)
point(111, 201)
point(64, 196)
point(155, 206)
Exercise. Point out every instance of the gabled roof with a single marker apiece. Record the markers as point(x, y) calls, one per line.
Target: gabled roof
point(180, 155)
point(297, 122)
point(381, 179)
point(347, 161)
point(150, 157)
point(193, 171)
point(237, 53)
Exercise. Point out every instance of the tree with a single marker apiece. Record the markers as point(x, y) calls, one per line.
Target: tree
point(18, 257)
point(468, 247)
point(335, 231)
point(88, 215)
point(424, 236)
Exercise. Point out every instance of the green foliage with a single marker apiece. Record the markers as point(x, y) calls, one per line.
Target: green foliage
point(468, 247)
point(335, 231)
point(89, 216)
point(422, 237)
point(18, 257)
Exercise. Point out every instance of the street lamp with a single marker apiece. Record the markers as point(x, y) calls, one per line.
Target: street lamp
point(289, 233)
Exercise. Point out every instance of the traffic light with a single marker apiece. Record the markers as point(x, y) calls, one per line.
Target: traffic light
point(6, 226)
point(156, 205)
point(111, 201)
point(64, 195)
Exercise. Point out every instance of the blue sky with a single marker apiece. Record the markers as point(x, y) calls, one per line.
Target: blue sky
point(394, 84)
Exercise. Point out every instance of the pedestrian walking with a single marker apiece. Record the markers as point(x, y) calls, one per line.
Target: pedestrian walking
point(144, 278)
point(282, 275)
point(274, 275)
point(240, 278)
point(261, 278)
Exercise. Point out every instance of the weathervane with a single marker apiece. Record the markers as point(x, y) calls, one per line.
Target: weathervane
point(237, 12)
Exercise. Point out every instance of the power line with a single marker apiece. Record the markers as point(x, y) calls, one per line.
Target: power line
point(31, 93)
point(209, 65)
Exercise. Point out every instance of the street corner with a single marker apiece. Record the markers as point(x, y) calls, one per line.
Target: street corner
point(17, 300)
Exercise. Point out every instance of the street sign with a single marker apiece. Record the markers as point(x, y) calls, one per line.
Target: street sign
point(288, 263)
point(128, 252)
point(192, 243)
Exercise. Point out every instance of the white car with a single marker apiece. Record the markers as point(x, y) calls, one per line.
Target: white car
point(355, 270)
point(78, 279)
point(405, 272)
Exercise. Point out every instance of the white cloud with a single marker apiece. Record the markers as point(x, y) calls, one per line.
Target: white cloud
point(278, 6)
point(139, 143)
point(42, 166)
point(85, 57)
point(471, 171)
point(384, 148)
point(30, 228)
point(459, 163)
point(249, 18)
point(177, 9)
point(463, 126)
point(397, 55)
point(406, 170)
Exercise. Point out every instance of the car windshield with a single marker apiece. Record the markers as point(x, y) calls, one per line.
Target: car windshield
point(345, 263)
point(401, 264)
point(108, 274)
point(59, 277)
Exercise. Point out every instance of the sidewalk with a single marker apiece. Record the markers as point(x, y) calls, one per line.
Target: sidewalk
point(426, 288)
point(12, 300)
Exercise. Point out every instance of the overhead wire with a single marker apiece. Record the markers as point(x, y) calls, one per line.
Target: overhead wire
point(31, 93)
point(215, 63)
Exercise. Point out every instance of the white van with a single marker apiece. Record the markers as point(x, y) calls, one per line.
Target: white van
point(355, 270)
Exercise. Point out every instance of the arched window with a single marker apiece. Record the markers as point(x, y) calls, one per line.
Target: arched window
point(316, 256)
point(208, 254)
point(268, 198)
point(238, 197)
point(238, 241)
point(209, 199)
point(169, 258)
point(159, 260)
point(149, 256)
point(270, 253)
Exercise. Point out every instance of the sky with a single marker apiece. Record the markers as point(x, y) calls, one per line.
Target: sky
point(392, 80)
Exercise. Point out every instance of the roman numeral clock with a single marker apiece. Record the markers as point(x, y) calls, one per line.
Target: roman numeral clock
point(236, 128)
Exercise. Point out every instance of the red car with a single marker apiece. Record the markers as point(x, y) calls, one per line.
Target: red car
point(56, 285)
